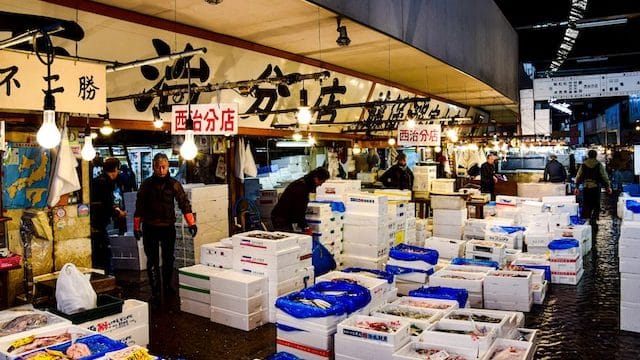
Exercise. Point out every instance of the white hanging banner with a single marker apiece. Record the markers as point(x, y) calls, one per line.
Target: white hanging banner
point(208, 119)
point(82, 86)
point(419, 135)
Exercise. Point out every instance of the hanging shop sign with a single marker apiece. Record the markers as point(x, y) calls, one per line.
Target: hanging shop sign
point(208, 119)
point(79, 87)
point(419, 135)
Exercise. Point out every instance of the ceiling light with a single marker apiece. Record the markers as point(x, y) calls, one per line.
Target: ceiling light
point(596, 23)
point(304, 113)
point(343, 38)
point(437, 149)
point(356, 149)
point(88, 152)
point(391, 141)
point(157, 120)
point(452, 135)
point(296, 136)
point(189, 150)
point(48, 135)
point(106, 128)
point(411, 123)
point(588, 59)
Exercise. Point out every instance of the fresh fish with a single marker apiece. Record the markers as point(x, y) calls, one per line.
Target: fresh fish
point(22, 323)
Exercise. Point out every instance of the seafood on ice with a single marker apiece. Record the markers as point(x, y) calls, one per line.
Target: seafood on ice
point(22, 323)
point(39, 342)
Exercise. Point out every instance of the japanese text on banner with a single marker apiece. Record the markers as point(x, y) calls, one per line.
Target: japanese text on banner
point(419, 135)
point(208, 119)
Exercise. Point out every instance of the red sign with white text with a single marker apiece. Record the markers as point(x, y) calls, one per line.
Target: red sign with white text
point(208, 119)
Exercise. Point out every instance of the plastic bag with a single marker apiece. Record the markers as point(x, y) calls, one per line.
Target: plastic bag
point(507, 229)
point(321, 258)
point(441, 292)
point(576, 220)
point(399, 270)
point(282, 356)
point(563, 244)
point(298, 304)
point(633, 206)
point(378, 273)
point(74, 292)
point(414, 253)
point(463, 261)
point(353, 296)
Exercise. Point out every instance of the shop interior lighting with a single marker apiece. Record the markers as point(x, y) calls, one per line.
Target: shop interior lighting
point(88, 152)
point(356, 149)
point(155, 60)
point(452, 135)
point(28, 36)
point(391, 141)
point(189, 150)
point(311, 140)
point(343, 38)
point(603, 22)
point(297, 136)
point(157, 120)
point(48, 135)
point(411, 119)
point(292, 144)
point(437, 149)
point(106, 128)
point(304, 112)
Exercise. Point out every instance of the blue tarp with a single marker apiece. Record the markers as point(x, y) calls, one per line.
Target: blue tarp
point(441, 292)
point(563, 244)
point(463, 261)
point(413, 253)
point(378, 273)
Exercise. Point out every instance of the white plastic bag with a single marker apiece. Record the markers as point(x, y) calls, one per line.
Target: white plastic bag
point(74, 292)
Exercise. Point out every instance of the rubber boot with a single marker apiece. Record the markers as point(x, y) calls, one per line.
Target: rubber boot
point(154, 281)
point(167, 281)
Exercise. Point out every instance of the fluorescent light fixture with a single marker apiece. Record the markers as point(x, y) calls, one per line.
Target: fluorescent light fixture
point(27, 36)
point(597, 23)
point(563, 107)
point(155, 60)
point(293, 144)
point(592, 59)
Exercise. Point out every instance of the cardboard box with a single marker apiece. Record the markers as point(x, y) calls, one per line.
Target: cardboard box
point(237, 283)
point(195, 307)
point(239, 321)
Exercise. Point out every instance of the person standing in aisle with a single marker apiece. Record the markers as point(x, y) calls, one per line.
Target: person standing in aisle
point(398, 176)
point(292, 205)
point(593, 176)
point(554, 171)
point(488, 177)
point(155, 220)
point(103, 209)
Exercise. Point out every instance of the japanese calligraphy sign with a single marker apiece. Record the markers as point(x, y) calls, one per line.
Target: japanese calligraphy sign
point(22, 81)
point(208, 119)
point(419, 135)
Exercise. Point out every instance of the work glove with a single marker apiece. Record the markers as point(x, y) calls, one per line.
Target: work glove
point(193, 230)
point(137, 234)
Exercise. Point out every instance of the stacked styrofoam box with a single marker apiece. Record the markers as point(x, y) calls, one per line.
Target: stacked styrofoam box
point(366, 231)
point(508, 290)
point(566, 264)
point(539, 285)
point(195, 289)
point(326, 226)
point(422, 232)
point(380, 289)
point(582, 233)
point(506, 322)
point(396, 215)
point(485, 250)
point(337, 190)
point(131, 326)
point(447, 248)
point(475, 228)
point(420, 319)
point(414, 273)
point(456, 333)
point(530, 261)
point(210, 206)
point(561, 204)
point(417, 349)
point(443, 186)
point(217, 254)
point(281, 257)
point(239, 299)
point(127, 253)
point(507, 207)
point(537, 241)
point(422, 178)
point(512, 238)
point(267, 200)
point(541, 189)
point(470, 281)
point(629, 250)
point(356, 339)
point(449, 216)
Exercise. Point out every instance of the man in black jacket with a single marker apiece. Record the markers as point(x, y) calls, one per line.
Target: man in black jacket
point(488, 176)
point(103, 209)
point(554, 171)
point(292, 205)
point(398, 176)
point(155, 216)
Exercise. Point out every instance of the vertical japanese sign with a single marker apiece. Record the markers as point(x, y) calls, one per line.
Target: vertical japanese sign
point(419, 135)
point(22, 82)
point(208, 119)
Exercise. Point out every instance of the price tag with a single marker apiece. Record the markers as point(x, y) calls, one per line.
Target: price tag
point(440, 355)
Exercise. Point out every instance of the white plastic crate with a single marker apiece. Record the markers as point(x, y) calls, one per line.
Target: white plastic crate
point(472, 282)
point(244, 322)
point(447, 248)
point(447, 202)
point(511, 349)
point(238, 283)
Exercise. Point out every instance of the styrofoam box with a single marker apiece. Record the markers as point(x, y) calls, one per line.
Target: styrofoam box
point(419, 278)
point(539, 292)
point(137, 335)
point(447, 248)
point(470, 281)
point(363, 262)
point(437, 334)
point(394, 194)
point(560, 208)
point(468, 268)
point(505, 321)
point(302, 351)
point(475, 300)
point(53, 322)
point(431, 315)
point(201, 191)
point(448, 231)
point(349, 347)
point(366, 204)
point(500, 303)
point(630, 229)
point(217, 254)
point(409, 351)
point(512, 284)
point(5, 342)
point(193, 293)
point(532, 238)
point(515, 349)
point(239, 321)
point(404, 287)
point(449, 216)
point(244, 257)
point(569, 263)
point(453, 202)
point(197, 276)
point(237, 283)
point(630, 316)
point(425, 303)
point(318, 210)
point(366, 250)
point(485, 246)
point(134, 313)
point(512, 240)
point(630, 288)
point(249, 240)
point(411, 264)
point(366, 234)
point(579, 232)
point(284, 287)
point(195, 307)
point(443, 185)
point(565, 253)
point(377, 287)
point(348, 328)
point(237, 304)
point(568, 278)
point(479, 255)
point(321, 340)
point(320, 324)
point(277, 275)
point(567, 199)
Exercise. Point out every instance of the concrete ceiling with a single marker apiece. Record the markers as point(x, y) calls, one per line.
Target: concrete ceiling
point(308, 31)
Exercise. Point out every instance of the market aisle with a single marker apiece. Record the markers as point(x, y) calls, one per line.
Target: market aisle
point(576, 322)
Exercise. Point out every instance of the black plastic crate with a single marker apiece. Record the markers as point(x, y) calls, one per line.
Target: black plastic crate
point(107, 305)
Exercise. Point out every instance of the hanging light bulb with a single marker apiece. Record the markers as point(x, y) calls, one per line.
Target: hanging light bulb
point(311, 140)
point(157, 120)
point(88, 152)
point(189, 150)
point(411, 119)
point(94, 135)
point(356, 149)
point(106, 128)
point(297, 136)
point(452, 135)
point(48, 135)
point(391, 141)
point(437, 149)
point(473, 147)
point(304, 112)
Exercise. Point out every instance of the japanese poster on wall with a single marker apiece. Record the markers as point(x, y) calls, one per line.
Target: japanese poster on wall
point(419, 135)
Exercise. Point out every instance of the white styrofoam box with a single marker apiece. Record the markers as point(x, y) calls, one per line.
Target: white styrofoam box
point(536, 222)
point(366, 234)
point(318, 210)
point(510, 349)
point(403, 287)
point(507, 200)
point(439, 334)
point(458, 279)
point(416, 351)
point(194, 293)
point(425, 317)
point(365, 219)
point(537, 238)
point(355, 327)
point(509, 284)
point(303, 351)
point(448, 231)
point(485, 246)
point(475, 300)
point(394, 194)
point(569, 263)
point(504, 321)
point(538, 250)
point(509, 212)
point(195, 307)
point(238, 304)
point(377, 287)
point(567, 199)
point(418, 277)
point(447, 248)
point(511, 254)
point(137, 335)
point(366, 204)
point(531, 207)
point(629, 265)
point(134, 313)
point(443, 185)
point(238, 283)
point(411, 210)
point(563, 208)
point(564, 253)
point(217, 254)
point(6, 341)
point(630, 316)
point(512, 240)
point(350, 347)
point(8, 315)
point(501, 303)
point(264, 241)
point(579, 232)
point(539, 292)
point(410, 223)
point(448, 202)
point(366, 250)
point(315, 324)
point(630, 229)
point(425, 303)
point(197, 276)
point(277, 289)
point(480, 255)
point(449, 216)
point(567, 277)
point(468, 268)
point(559, 220)
point(363, 262)
point(239, 321)
point(312, 337)
point(339, 187)
point(541, 189)
point(199, 191)
point(247, 257)
point(323, 227)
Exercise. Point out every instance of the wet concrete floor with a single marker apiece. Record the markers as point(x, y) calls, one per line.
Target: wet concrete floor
point(575, 322)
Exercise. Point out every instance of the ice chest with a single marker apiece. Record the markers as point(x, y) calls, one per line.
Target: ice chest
point(197, 276)
point(236, 320)
point(239, 304)
point(238, 284)
point(356, 327)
